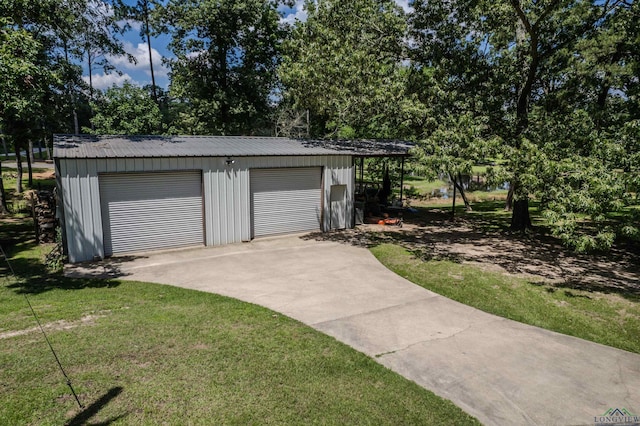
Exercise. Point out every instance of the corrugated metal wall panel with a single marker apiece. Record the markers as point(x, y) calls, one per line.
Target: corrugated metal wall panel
point(148, 211)
point(224, 222)
point(286, 200)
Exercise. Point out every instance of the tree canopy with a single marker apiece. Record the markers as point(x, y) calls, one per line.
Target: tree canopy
point(126, 110)
point(344, 65)
point(548, 90)
point(224, 71)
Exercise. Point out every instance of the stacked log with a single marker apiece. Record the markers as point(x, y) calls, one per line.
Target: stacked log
point(44, 216)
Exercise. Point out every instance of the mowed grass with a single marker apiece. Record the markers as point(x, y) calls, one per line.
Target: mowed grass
point(609, 319)
point(141, 353)
point(422, 190)
point(424, 186)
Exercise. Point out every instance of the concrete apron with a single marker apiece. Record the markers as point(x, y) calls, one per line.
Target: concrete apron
point(500, 371)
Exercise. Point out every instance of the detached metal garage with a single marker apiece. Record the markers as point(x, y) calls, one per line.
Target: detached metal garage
point(128, 194)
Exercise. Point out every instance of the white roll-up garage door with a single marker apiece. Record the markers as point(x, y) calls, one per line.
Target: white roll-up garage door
point(149, 211)
point(286, 200)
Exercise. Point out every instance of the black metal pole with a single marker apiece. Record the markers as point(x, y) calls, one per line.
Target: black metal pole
point(402, 180)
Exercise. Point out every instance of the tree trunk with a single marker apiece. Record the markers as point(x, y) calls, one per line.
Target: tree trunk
point(147, 32)
point(457, 184)
point(520, 220)
point(224, 103)
point(49, 148)
point(3, 199)
point(453, 205)
point(29, 168)
point(30, 152)
point(76, 126)
point(18, 168)
point(40, 155)
point(508, 205)
point(4, 145)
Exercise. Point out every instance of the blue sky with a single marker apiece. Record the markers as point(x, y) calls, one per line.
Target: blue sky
point(139, 73)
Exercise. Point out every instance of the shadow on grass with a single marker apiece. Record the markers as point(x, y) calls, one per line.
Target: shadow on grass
point(82, 417)
point(33, 277)
point(484, 239)
point(15, 231)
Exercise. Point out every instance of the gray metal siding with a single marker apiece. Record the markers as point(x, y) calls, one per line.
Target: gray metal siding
point(148, 211)
point(226, 194)
point(286, 200)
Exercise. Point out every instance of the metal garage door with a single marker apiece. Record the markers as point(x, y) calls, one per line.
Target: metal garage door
point(286, 200)
point(148, 211)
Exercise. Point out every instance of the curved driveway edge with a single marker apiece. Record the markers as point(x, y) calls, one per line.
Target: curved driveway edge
point(500, 371)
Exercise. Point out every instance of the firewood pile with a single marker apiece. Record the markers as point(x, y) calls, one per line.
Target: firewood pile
point(44, 216)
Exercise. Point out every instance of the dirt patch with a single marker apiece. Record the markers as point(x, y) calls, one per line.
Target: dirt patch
point(55, 325)
point(49, 174)
point(537, 257)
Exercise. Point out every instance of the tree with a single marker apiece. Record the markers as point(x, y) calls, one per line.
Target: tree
point(450, 73)
point(3, 199)
point(24, 78)
point(41, 85)
point(455, 145)
point(550, 74)
point(126, 110)
point(141, 12)
point(96, 38)
point(224, 73)
point(344, 65)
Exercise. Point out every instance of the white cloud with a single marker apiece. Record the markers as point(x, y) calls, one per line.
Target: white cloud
point(101, 7)
point(141, 53)
point(197, 53)
point(134, 25)
point(404, 4)
point(299, 14)
point(105, 81)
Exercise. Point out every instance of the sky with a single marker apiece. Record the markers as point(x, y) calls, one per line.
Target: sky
point(138, 73)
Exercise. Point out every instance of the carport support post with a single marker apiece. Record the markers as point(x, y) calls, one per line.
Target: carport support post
point(402, 179)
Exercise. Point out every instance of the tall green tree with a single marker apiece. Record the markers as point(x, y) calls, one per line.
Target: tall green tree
point(41, 80)
point(555, 80)
point(451, 74)
point(344, 65)
point(224, 71)
point(126, 110)
point(25, 77)
point(96, 38)
point(141, 12)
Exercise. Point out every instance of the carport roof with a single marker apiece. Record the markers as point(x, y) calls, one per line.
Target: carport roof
point(89, 146)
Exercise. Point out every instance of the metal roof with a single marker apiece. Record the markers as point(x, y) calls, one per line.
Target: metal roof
point(89, 146)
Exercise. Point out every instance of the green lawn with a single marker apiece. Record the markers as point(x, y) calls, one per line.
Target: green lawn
point(417, 187)
point(609, 319)
point(424, 186)
point(150, 354)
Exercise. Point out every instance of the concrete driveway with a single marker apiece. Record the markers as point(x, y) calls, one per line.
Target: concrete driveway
point(500, 371)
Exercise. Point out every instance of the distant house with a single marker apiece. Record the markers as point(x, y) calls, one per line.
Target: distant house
point(124, 194)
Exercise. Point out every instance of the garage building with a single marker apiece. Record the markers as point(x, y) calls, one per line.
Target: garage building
point(121, 194)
